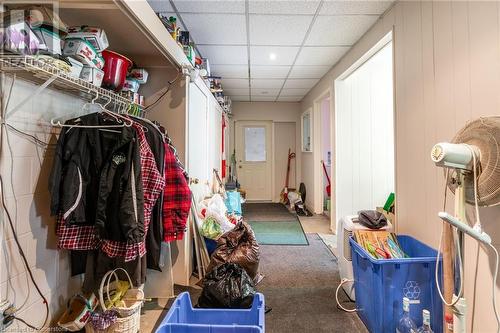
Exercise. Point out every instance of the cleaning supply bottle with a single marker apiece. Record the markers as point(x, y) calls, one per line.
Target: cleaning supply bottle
point(426, 327)
point(406, 324)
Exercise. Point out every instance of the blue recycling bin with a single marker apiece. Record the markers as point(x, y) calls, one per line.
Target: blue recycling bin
point(381, 284)
point(183, 318)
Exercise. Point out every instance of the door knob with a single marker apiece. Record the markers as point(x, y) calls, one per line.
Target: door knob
point(240, 167)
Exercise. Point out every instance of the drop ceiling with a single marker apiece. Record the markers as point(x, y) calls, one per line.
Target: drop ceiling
point(272, 50)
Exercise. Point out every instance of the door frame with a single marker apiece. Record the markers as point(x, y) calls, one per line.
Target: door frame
point(317, 152)
point(271, 158)
point(370, 52)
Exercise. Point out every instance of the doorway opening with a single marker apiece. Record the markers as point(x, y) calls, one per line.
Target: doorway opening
point(326, 154)
point(364, 133)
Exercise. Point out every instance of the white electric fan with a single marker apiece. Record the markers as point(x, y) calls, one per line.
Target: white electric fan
point(472, 160)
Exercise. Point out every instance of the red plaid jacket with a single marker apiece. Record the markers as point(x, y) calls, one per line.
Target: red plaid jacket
point(176, 199)
point(86, 238)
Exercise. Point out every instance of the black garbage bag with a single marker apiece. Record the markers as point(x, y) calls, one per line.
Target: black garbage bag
point(227, 286)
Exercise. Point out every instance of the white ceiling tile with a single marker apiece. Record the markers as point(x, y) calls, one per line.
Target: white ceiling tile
point(300, 83)
point(210, 6)
point(236, 91)
point(321, 55)
point(245, 98)
point(269, 72)
point(294, 92)
point(230, 71)
point(207, 29)
point(282, 7)
point(265, 92)
point(263, 98)
point(308, 72)
point(284, 55)
point(224, 55)
point(266, 84)
point(278, 30)
point(235, 83)
point(354, 7)
point(161, 6)
point(290, 98)
point(339, 30)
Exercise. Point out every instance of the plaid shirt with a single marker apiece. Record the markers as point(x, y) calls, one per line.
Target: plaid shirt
point(176, 198)
point(86, 237)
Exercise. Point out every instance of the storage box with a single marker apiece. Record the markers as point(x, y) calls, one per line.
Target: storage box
point(50, 40)
point(95, 36)
point(140, 74)
point(131, 85)
point(76, 67)
point(182, 318)
point(381, 284)
point(92, 75)
point(83, 51)
point(16, 35)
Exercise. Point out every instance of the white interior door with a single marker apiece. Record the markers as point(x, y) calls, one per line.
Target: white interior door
point(254, 158)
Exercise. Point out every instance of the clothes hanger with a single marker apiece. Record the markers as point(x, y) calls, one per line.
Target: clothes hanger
point(129, 123)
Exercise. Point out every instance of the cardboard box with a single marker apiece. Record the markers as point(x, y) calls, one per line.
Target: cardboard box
point(140, 74)
point(83, 51)
point(95, 36)
point(92, 75)
point(131, 84)
point(76, 67)
point(16, 35)
point(50, 40)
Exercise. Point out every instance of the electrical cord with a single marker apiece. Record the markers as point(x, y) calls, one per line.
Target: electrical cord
point(495, 276)
point(25, 323)
point(342, 282)
point(436, 275)
point(170, 83)
point(23, 256)
point(34, 139)
point(3, 129)
point(479, 228)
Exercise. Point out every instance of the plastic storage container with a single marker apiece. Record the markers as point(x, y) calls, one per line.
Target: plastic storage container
point(182, 318)
point(381, 284)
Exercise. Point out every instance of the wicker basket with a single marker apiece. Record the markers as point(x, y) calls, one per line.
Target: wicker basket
point(129, 317)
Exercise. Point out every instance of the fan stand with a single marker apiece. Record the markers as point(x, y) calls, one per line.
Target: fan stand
point(460, 308)
point(458, 221)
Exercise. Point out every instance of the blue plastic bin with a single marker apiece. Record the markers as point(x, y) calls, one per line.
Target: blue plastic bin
point(183, 318)
point(381, 284)
point(211, 245)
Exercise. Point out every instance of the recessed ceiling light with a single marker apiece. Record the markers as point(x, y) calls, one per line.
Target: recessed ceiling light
point(272, 56)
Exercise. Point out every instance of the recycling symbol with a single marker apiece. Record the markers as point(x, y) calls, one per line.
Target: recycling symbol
point(411, 290)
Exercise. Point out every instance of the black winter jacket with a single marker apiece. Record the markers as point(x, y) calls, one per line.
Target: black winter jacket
point(96, 179)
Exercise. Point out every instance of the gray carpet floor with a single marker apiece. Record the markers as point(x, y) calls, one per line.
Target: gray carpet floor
point(299, 284)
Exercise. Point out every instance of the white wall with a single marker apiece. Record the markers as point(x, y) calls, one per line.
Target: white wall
point(25, 170)
point(447, 71)
point(268, 111)
point(364, 156)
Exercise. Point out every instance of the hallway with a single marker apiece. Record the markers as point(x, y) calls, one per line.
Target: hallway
point(299, 280)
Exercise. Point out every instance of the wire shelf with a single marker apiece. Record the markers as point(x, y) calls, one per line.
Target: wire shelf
point(36, 70)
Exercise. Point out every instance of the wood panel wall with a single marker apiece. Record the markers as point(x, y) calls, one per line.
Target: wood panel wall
point(447, 71)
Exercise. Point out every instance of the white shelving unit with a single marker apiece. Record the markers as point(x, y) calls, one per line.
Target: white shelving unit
point(132, 27)
point(36, 70)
